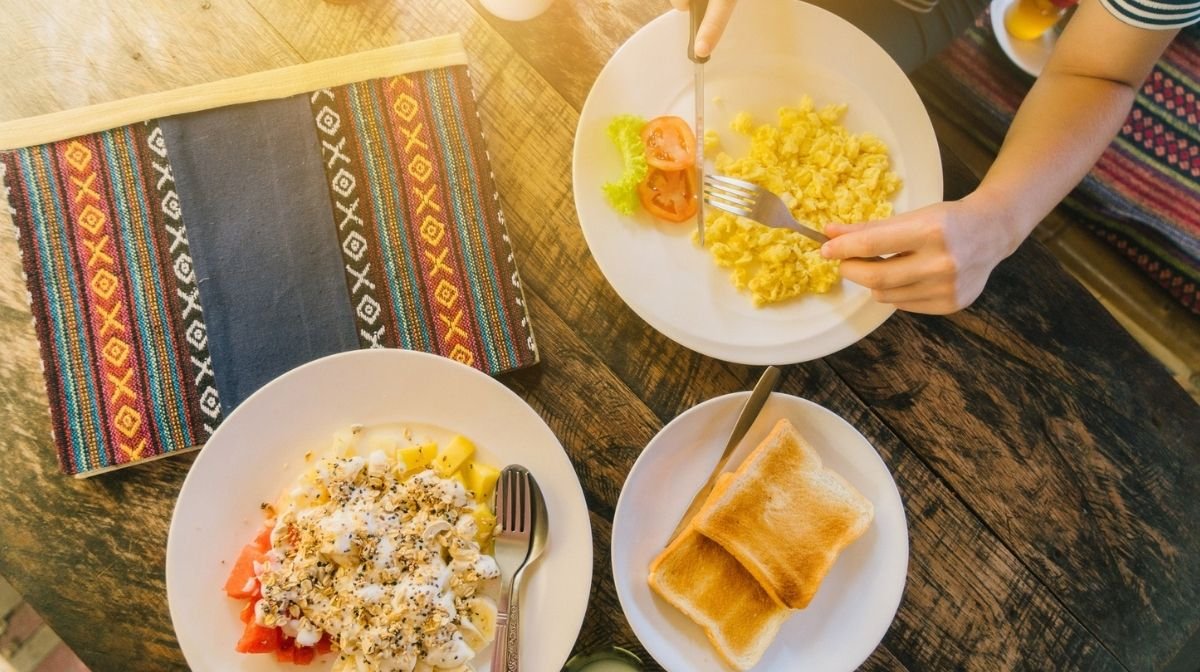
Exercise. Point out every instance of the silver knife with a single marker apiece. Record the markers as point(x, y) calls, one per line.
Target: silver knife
point(697, 10)
point(746, 417)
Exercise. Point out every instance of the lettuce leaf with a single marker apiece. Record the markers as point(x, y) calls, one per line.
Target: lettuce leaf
point(626, 133)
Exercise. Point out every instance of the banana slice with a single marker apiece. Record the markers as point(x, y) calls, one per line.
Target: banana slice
point(478, 628)
point(423, 666)
point(472, 636)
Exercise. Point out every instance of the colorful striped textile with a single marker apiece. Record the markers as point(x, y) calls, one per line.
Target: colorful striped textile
point(128, 260)
point(114, 296)
point(1143, 195)
point(429, 197)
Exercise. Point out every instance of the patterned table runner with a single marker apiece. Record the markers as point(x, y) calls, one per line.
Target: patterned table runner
point(178, 262)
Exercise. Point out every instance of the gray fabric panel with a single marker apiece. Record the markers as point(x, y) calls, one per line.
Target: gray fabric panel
point(268, 265)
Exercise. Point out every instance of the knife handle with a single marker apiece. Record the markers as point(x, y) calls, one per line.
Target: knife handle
point(696, 11)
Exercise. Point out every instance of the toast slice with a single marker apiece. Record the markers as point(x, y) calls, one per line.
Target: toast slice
point(785, 517)
point(711, 587)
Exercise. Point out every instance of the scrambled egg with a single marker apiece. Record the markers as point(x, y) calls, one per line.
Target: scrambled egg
point(823, 173)
point(385, 562)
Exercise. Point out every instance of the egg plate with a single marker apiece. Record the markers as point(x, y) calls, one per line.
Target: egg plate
point(772, 55)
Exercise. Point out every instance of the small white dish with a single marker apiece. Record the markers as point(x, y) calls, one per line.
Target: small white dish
point(857, 600)
point(1028, 55)
point(772, 55)
point(259, 449)
point(516, 10)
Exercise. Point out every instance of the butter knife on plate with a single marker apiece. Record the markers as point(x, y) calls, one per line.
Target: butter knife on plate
point(746, 417)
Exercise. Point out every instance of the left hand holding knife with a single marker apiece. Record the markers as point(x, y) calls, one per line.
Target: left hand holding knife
point(716, 16)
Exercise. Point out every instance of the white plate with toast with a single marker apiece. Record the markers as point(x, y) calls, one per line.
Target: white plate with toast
point(855, 601)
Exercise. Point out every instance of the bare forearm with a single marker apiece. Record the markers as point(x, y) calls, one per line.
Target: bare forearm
point(1069, 117)
point(1065, 123)
point(942, 254)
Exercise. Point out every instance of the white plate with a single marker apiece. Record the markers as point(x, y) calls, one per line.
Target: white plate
point(259, 450)
point(1028, 55)
point(771, 55)
point(858, 598)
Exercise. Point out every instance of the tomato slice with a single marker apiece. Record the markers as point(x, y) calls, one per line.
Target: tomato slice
point(263, 540)
point(258, 639)
point(669, 194)
point(247, 612)
point(670, 143)
point(286, 653)
point(304, 655)
point(325, 645)
point(242, 582)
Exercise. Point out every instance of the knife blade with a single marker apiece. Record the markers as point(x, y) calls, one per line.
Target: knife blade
point(746, 417)
point(696, 11)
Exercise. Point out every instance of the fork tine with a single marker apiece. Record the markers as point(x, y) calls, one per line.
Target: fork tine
point(498, 500)
point(734, 197)
point(526, 503)
point(732, 183)
point(515, 501)
point(722, 205)
point(502, 501)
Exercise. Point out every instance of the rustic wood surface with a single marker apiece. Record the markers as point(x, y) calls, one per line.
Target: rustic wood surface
point(1047, 464)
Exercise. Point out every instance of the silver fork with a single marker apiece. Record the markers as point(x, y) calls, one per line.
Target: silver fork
point(541, 530)
point(514, 514)
point(751, 201)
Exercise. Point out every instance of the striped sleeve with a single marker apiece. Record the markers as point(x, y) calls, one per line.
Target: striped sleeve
point(1155, 14)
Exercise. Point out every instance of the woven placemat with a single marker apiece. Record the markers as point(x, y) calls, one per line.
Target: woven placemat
point(182, 249)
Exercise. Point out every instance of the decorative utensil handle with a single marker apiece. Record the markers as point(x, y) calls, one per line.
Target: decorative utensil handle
point(513, 636)
point(500, 652)
point(505, 609)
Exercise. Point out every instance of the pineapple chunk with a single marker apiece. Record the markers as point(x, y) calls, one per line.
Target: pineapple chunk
point(345, 443)
point(480, 479)
point(485, 521)
point(418, 457)
point(455, 454)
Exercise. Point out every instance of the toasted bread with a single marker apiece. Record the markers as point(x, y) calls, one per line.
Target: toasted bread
point(785, 517)
point(707, 584)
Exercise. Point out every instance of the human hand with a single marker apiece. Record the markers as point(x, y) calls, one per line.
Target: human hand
point(943, 254)
point(713, 25)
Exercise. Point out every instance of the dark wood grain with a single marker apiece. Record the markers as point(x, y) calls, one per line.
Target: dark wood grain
point(1047, 476)
point(957, 568)
point(1091, 485)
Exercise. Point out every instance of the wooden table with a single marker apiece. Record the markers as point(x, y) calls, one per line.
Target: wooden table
point(1047, 463)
